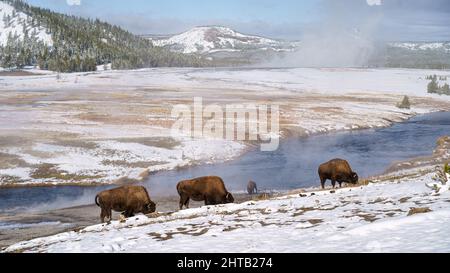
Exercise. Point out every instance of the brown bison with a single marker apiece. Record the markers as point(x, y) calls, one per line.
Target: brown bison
point(252, 188)
point(210, 189)
point(337, 170)
point(127, 199)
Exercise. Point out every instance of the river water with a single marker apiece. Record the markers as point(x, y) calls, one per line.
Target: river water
point(293, 165)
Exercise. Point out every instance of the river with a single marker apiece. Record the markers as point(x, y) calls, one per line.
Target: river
point(293, 165)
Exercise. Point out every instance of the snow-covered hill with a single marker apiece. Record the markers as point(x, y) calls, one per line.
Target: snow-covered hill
point(16, 23)
point(205, 40)
point(213, 39)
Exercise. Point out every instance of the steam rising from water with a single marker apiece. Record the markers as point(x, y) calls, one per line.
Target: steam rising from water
point(342, 38)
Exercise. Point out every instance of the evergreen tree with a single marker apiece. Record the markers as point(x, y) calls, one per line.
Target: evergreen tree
point(445, 89)
point(433, 86)
point(405, 104)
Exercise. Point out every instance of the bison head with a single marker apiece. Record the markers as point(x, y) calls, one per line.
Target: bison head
point(354, 178)
point(229, 198)
point(150, 208)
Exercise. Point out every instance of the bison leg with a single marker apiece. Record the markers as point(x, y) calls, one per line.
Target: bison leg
point(127, 214)
point(212, 202)
point(333, 182)
point(102, 215)
point(322, 182)
point(109, 215)
point(184, 201)
point(340, 184)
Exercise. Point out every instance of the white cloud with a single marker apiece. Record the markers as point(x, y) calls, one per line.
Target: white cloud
point(374, 2)
point(73, 2)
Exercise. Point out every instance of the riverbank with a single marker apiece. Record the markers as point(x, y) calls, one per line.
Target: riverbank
point(395, 216)
point(113, 127)
point(22, 226)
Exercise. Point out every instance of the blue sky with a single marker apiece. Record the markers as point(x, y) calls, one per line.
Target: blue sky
point(288, 19)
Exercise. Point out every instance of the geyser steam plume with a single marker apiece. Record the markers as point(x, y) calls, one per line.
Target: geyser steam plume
point(344, 37)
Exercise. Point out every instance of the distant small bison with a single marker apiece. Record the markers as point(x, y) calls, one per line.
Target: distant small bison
point(337, 170)
point(252, 188)
point(210, 189)
point(127, 199)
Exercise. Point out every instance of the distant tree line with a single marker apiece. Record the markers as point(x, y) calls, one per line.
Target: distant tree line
point(400, 57)
point(81, 44)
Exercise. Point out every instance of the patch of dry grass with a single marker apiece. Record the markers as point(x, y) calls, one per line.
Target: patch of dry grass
point(262, 197)
point(137, 164)
point(315, 221)
point(231, 228)
point(413, 211)
point(404, 199)
point(49, 171)
point(77, 144)
point(160, 142)
point(9, 179)
point(11, 161)
point(169, 235)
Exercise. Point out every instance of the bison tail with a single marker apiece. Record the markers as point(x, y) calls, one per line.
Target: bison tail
point(96, 200)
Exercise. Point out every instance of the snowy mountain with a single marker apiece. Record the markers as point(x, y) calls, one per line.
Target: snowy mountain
point(422, 46)
point(229, 48)
point(31, 36)
point(213, 39)
point(17, 24)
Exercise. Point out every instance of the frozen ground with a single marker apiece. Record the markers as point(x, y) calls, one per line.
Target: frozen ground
point(394, 216)
point(111, 126)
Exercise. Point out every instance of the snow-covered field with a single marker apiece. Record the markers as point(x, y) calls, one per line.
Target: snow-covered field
point(109, 161)
point(340, 81)
point(105, 126)
point(394, 216)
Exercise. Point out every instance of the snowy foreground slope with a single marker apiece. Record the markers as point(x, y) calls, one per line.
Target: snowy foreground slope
point(385, 217)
